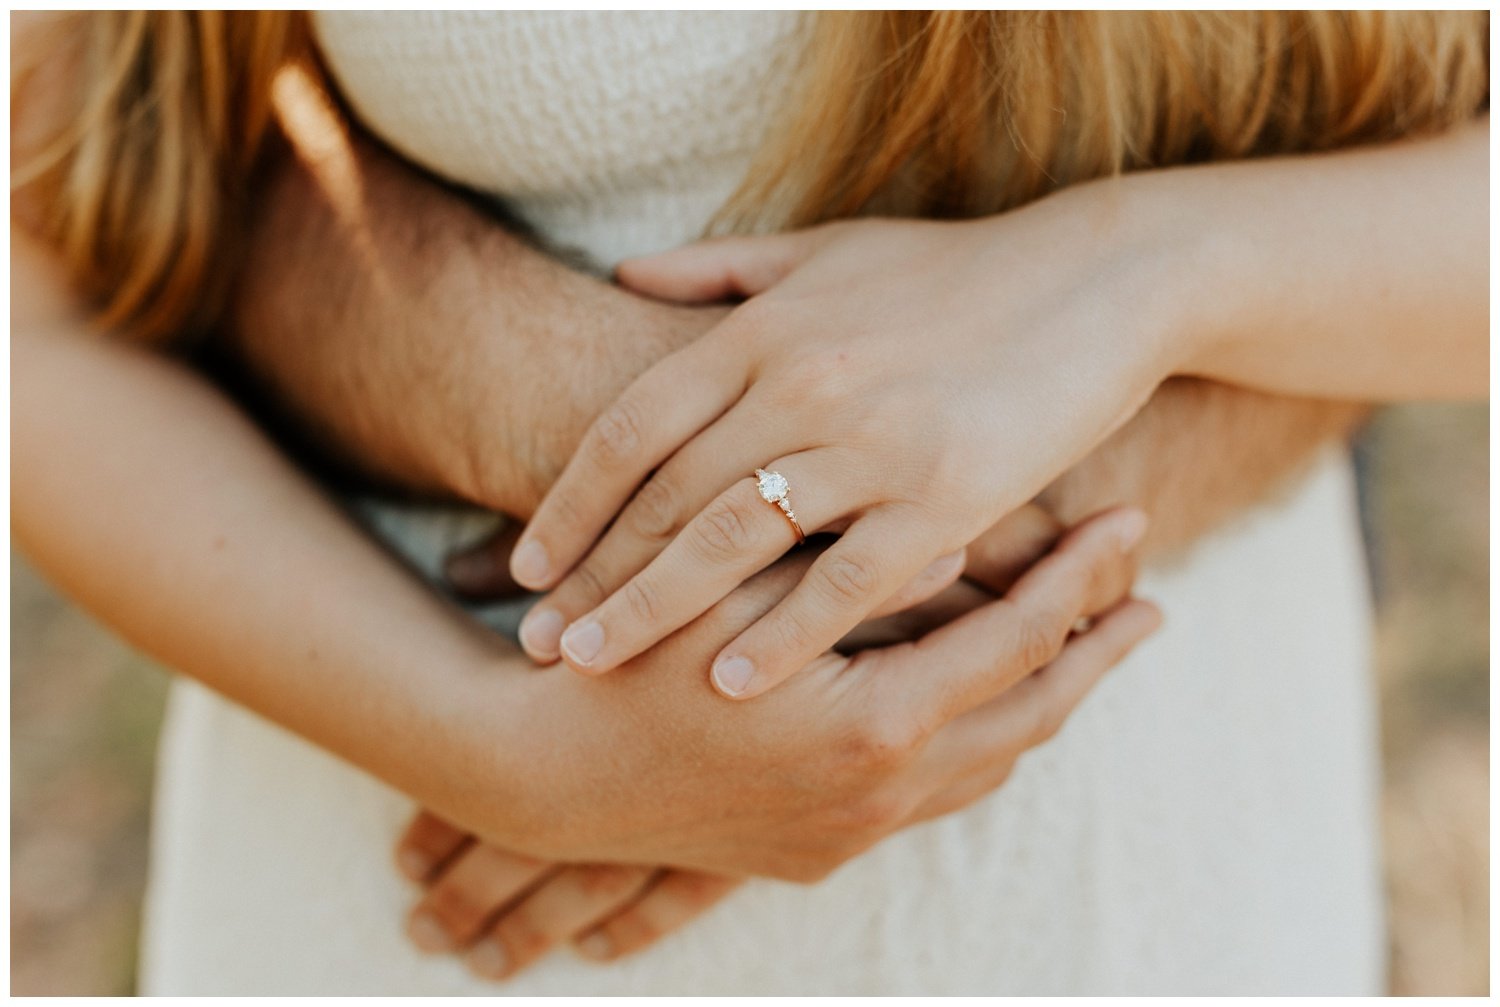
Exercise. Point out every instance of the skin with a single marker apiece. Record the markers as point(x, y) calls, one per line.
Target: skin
point(148, 498)
point(505, 911)
point(418, 340)
point(393, 449)
point(381, 339)
point(909, 455)
point(144, 494)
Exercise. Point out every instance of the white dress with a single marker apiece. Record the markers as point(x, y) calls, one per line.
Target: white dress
point(1204, 823)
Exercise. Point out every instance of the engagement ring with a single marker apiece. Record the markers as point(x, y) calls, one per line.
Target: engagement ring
point(773, 490)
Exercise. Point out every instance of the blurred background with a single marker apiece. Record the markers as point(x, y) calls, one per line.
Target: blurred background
point(85, 712)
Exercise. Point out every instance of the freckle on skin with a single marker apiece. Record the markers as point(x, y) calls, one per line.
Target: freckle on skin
point(219, 542)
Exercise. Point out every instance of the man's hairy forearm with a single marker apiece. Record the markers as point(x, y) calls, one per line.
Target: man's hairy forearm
point(411, 336)
point(359, 271)
point(1197, 454)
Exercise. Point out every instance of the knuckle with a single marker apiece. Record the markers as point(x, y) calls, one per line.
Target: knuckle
point(825, 372)
point(883, 743)
point(588, 584)
point(450, 903)
point(522, 937)
point(1040, 637)
point(846, 579)
point(790, 632)
point(1046, 722)
point(725, 530)
point(642, 600)
point(731, 614)
point(654, 513)
point(563, 510)
point(618, 433)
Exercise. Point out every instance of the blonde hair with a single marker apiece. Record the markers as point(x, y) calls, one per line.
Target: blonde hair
point(161, 118)
point(939, 113)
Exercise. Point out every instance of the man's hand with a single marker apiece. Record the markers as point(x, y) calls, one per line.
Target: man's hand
point(504, 911)
point(1199, 454)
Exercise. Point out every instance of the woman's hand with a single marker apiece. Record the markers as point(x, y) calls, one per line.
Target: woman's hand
point(912, 381)
point(506, 911)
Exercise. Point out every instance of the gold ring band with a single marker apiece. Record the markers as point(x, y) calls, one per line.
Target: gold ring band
point(773, 489)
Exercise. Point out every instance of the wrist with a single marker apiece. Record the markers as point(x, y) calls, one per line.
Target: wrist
point(477, 763)
point(1194, 262)
point(523, 350)
point(564, 368)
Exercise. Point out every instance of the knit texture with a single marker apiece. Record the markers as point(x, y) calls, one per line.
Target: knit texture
point(613, 132)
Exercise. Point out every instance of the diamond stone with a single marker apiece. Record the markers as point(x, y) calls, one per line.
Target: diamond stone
point(773, 487)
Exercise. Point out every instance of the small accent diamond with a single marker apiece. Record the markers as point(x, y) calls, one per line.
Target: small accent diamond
point(772, 485)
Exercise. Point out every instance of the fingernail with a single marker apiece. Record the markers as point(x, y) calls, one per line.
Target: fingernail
point(541, 631)
point(427, 934)
point(414, 864)
point(597, 945)
point(529, 564)
point(732, 674)
point(1132, 528)
point(583, 641)
point(489, 960)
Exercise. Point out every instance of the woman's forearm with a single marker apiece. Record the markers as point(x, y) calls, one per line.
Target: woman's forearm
point(1309, 286)
point(146, 497)
point(1360, 275)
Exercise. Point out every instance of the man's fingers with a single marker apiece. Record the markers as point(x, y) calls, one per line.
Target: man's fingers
point(717, 269)
point(957, 599)
point(428, 843)
point(990, 649)
point(467, 893)
point(989, 566)
point(978, 749)
point(674, 900)
point(934, 579)
point(482, 571)
point(567, 904)
point(1014, 544)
